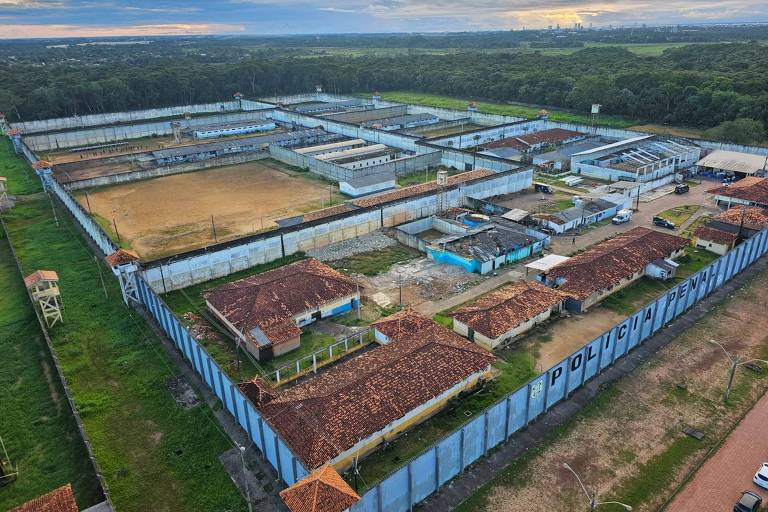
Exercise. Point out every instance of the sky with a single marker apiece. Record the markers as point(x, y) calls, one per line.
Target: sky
point(88, 18)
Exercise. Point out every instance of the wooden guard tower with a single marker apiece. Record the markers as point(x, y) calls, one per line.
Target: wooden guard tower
point(44, 287)
point(8, 472)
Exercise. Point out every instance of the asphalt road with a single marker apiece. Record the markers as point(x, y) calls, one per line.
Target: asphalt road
point(718, 484)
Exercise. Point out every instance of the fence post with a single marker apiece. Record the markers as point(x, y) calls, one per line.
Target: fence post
point(485, 434)
point(461, 449)
point(410, 487)
point(277, 455)
point(437, 467)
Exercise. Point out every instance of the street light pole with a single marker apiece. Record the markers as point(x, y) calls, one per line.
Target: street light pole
point(592, 498)
point(735, 363)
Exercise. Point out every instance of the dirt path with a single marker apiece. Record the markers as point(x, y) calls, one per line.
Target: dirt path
point(720, 482)
point(632, 447)
point(173, 213)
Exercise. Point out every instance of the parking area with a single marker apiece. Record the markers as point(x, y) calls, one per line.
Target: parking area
point(719, 483)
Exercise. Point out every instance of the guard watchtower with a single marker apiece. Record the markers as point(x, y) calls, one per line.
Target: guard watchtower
point(124, 263)
point(3, 192)
point(43, 285)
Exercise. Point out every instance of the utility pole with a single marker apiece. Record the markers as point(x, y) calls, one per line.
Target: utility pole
point(592, 498)
point(735, 361)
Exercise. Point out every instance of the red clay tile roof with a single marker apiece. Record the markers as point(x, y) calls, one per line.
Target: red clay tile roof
point(322, 491)
point(751, 188)
point(524, 142)
point(715, 235)
point(610, 261)
point(328, 212)
point(58, 500)
point(753, 216)
point(497, 312)
point(40, 164)
point(13, 131)
point(258, 391)
point(121, 257)
point(331, 412)
point(269, 300)
point(40, 275)
point(413, 190)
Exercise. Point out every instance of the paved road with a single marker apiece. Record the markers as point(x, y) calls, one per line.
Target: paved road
point(720, 482)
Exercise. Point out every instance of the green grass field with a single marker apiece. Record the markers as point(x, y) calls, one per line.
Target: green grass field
point(21, 178)
point(36, 422)
point(508, 109)
point(155, 455)
point(376, 262)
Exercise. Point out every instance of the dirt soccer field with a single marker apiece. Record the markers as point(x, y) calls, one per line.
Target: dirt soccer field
point(167, 215)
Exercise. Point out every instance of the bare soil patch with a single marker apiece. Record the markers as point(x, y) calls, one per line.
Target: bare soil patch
point(171, 214)
point(631, 448)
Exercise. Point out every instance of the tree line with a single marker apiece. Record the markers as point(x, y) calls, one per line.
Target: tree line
point(696, 85)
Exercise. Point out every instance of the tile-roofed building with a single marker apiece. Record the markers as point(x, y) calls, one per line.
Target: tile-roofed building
point(752, 217)
point(322, 491)
point(505, 313)
point(612, 264)
point(714, 240)
point(349, 409)
point(58, 500)
point(537, 140)
point(751, 191)
point(266, 310)
point(414, 190)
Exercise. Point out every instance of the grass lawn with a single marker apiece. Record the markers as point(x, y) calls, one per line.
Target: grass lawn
point(22, 179)
point(155, 455)
point(509, 109)
point(418, 177)
point(375, 262)
point(680, 214)
point(514, 368)
point(36, 423)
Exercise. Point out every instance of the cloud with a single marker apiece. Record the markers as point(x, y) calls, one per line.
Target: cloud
point(169, 29)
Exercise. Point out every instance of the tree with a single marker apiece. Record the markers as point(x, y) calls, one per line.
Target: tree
point(739, 131)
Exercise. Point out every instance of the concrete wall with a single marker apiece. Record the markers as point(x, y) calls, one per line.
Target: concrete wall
point(120, 132)
point(478, 118)
point(441, 462)
point(218, 261)
point(486, 135)
point(368, 115)
point(77, 122)
point(167, 170)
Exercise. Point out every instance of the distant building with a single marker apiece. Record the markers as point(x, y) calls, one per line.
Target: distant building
point(506, 313)
point(750, 191)
point(613, 264)
point(536, 141)
point(714, 240)
point(345, 412)
point(642, 159)
point(733, 163)
point(560, 159)
point(58, 500)
point(358, 186)
point(743, 220)
point(228, 129)
point(265, 311)
point(401, 122)
point(588, 211)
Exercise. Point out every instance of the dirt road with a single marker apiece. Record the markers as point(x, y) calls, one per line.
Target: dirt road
point(720, 482)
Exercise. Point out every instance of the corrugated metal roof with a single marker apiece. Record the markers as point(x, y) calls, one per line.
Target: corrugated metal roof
point(734, 161)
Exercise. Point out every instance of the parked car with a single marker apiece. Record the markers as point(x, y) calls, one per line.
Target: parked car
point(622, 216)
point(682, 189)
point(749, 502)
point(761, 477)
point(543, 187)
point(664, 223)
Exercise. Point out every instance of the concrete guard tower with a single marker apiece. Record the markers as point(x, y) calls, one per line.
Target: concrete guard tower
point(125, 264)
point(376, 96)
point(43, 285)
point(3, 124)
point(176, 128)
point(15, 136)
point(472, 107)
point(43, 168)
point(442, 183)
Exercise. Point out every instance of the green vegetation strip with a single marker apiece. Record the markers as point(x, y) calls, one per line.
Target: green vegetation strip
point(376, 262)
point(509, 109)
point(36, 424)
point(155, 454)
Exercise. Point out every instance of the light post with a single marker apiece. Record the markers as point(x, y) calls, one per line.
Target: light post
point(241, 449)
point(592, 498)
point(735, 363)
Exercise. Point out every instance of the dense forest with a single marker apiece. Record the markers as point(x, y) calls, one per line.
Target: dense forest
point(698, 85)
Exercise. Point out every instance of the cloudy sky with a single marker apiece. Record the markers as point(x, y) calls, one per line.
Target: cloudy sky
point(59, 18)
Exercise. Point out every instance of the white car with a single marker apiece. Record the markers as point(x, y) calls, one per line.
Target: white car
point(761, 477)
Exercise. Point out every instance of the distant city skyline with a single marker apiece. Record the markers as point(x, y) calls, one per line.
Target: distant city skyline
point(87, 18)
